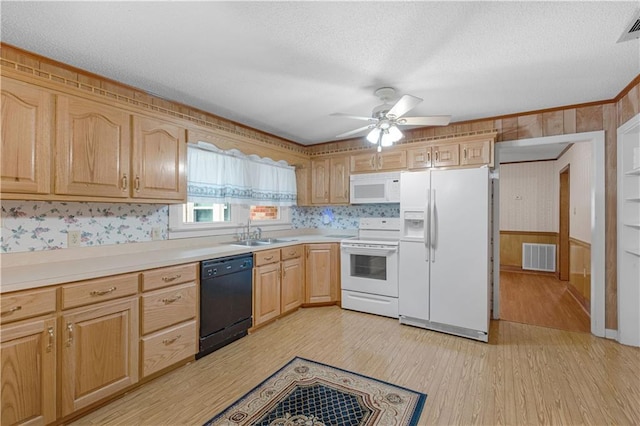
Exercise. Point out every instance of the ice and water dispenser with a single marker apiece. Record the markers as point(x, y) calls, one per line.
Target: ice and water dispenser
point(413, 224)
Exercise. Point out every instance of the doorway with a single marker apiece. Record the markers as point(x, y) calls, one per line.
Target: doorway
point(564, 225)
point(597, 226)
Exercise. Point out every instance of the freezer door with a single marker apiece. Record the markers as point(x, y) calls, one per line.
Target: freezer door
point(413, 285)
point(459, 264)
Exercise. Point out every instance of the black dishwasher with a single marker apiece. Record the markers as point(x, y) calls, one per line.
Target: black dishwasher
point(225, 301)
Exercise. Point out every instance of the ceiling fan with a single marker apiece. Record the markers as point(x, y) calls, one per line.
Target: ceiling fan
point(385, 118)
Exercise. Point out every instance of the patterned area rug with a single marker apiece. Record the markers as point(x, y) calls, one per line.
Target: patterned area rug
point(308, 393)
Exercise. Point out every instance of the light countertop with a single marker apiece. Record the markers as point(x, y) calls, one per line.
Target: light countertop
point(23, 271)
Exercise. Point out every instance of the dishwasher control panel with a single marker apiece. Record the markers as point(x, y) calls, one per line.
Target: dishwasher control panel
point(225, 265)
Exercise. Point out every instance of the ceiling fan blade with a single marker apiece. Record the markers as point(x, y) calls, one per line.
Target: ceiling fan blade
point(433, 120)
point(357, 117)
point(353, 132)
point(404, 105)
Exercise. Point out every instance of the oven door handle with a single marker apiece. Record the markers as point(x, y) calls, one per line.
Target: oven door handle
point(373, 251)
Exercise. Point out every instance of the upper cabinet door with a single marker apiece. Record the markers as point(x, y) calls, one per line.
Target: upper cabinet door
point(419, 158)
point(476, 152)
point(26, 138)
point(392, 160)
point(320, 181)
point(159, 158)
point(92, 149)
point(446, 155)
point(364, 162)
point(339, 180)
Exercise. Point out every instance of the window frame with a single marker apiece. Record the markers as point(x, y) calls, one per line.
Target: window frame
point(239, 217)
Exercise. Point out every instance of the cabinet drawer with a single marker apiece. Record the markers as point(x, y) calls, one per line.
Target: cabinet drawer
point(168, 306)
point(27, 304)
point(164, 277)
point(99, 290)
point(266, 256)
point(160, 350)
point(291, 252)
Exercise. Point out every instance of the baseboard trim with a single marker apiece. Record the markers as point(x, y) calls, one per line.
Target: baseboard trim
point(611, 334)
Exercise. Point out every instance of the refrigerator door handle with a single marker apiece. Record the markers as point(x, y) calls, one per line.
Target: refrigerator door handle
point(425, 229)
point(433, 226)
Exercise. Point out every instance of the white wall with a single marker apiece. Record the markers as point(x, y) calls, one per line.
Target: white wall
point(537, 186)
point(528, 197)
point(579, 157)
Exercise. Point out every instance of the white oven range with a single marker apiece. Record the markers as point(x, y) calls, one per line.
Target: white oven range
point(369, 271)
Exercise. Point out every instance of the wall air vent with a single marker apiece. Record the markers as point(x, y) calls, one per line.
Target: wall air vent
point(632, 31)
point(539, 257)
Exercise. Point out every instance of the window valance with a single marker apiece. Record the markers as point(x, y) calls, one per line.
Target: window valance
point(218, 176)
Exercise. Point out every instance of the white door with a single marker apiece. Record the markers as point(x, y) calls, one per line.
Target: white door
point(459, 258)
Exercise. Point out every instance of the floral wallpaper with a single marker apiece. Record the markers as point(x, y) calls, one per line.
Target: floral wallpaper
point(43, 225)
point(340, 217)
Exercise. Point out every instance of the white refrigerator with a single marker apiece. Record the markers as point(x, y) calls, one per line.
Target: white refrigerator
point(445, 253)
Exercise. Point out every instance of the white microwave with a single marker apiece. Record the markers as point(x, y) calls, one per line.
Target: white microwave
point(371, 188)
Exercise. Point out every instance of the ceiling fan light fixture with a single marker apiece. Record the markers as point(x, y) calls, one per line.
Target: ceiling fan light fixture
point(395, 134)
point(373, 135)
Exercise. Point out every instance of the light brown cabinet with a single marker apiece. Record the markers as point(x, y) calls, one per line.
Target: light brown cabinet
point(322, 266)
point(339, 180)
point(292, 286)
point(169, 310)
point(445, 155)
point(99, 352)
point(100, 151)
point(66, 347)
point(93, 143)
point(28, 380)
point(26, 138)
point(266, 286)
point(419, 158)
point(303, 183)
point(330, 180)
point(159, 158)
point(476, 153)
point(379, 161)
point(320, 181)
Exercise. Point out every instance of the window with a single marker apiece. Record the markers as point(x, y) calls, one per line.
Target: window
point(211, 219)
point(206, 212)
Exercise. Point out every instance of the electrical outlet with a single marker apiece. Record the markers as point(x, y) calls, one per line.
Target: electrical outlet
point(73, 238)
point(156, 233)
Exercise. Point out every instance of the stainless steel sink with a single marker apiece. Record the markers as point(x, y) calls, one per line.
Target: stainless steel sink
point(246, 243)
point(260, 242)
point(272, 240)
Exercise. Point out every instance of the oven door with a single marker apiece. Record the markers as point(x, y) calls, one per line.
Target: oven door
point(370, 268)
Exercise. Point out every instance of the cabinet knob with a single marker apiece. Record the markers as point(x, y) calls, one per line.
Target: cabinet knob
point(125, 182)
point(137, 184)
point(464, 153)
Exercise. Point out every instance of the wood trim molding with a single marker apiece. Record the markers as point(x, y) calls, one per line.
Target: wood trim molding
point(580, 243)
point(627, 88)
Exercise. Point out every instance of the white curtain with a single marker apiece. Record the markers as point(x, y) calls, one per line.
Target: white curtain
point(214, 175)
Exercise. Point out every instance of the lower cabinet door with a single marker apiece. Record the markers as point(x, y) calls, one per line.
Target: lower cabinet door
point(292, 285)
point(99, 350)
point(28, 379)
point(168, 346)
point(266, 293)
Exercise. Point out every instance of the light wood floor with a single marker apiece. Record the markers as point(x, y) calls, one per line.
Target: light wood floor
point(540, 300)
point(524, 375)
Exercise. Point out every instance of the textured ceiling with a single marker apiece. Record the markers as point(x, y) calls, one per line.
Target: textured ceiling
point(284, 67)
